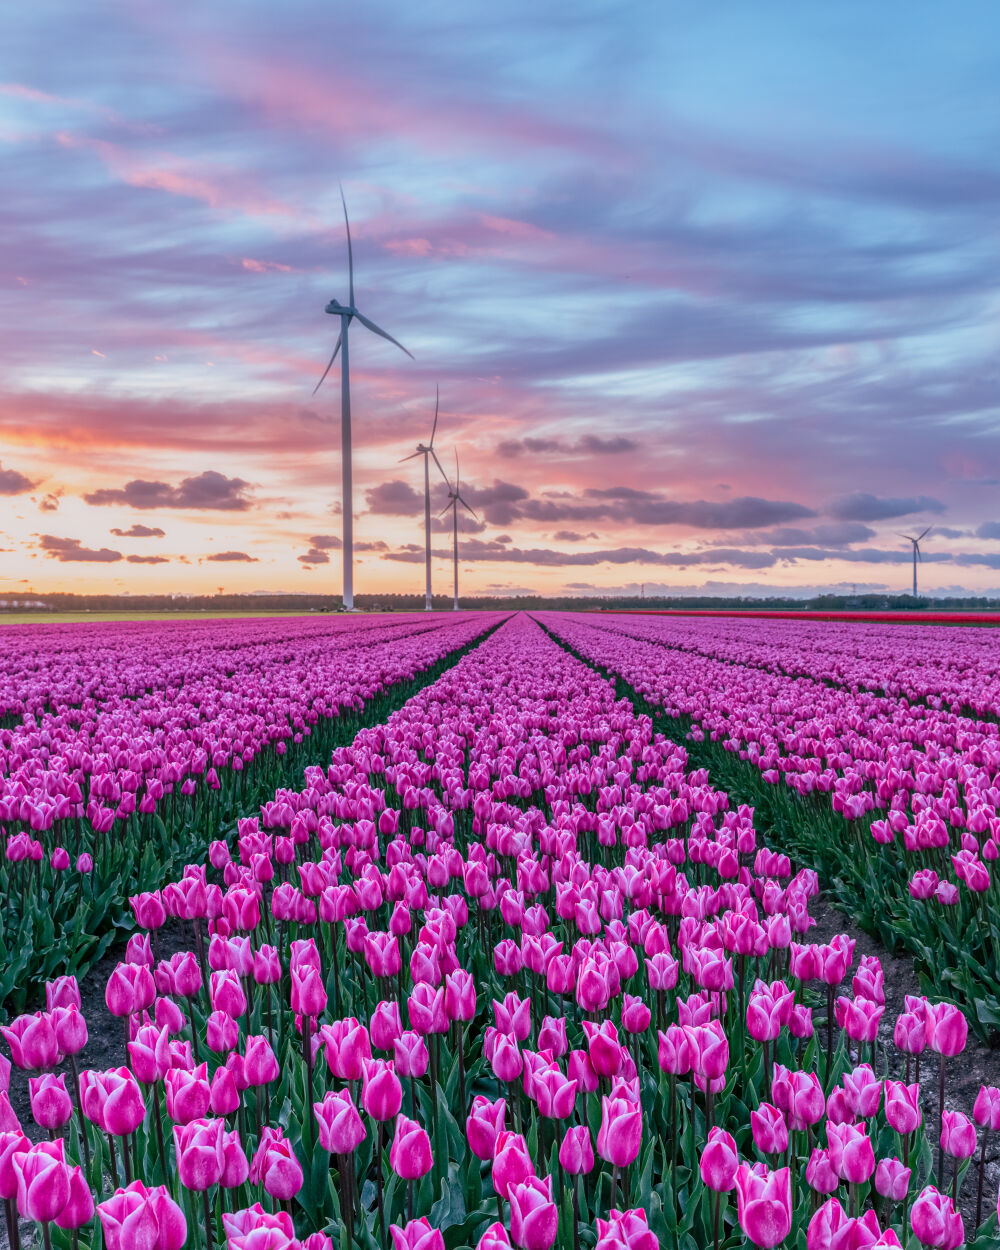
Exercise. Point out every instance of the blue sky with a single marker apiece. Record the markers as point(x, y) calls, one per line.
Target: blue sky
point(710, 291)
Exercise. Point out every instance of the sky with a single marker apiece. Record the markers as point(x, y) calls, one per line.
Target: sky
point(710, 292)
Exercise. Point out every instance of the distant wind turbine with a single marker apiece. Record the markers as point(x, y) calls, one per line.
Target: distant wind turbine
point(347, 313)
point(428, 452)
point(916, 553)
point(454, 499)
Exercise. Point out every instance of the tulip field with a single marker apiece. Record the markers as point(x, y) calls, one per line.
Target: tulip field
point(492, 930)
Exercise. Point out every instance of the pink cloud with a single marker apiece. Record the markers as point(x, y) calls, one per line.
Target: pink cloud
point(264, 266)
point(163, 171)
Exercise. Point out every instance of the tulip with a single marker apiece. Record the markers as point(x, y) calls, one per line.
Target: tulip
point(719, 1161)
point(892, 1179)
point(483, 1124)
point(137, 1216)
point(275, 1166)
point(770, 1132)
point(260, 1066)
point(79, 1208)
point(340, 1127)
point(188, 1094)
point(620, 1134)
point(552, 1036)
point(32, 1041)
point(935, 1222)
point(62, 992)
point(410, 1055)
point(200, 1152)
point(958, 1135)
point(236, 1166)
point(764, 1203)
point(410, 1153)
point(494, 1238)
point(902, 1106)
point(576, 1153)
point(51, 1105)
point(534, 1219)
point(829, 1221)
point(603, 1047)
point(851, 1153)
point(43, 1181)
point(511, 1163)
point(385, 1025)
point(417, 1235)
point(626, 1228)
point(820, 1172)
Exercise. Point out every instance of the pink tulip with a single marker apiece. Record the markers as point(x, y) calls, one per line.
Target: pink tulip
point(410, 1153)
point(188, 1094)
point(576, 1154)
point(552, 1036)
point(43, 1181)
point(200, 1153)
point(958, 1135)
point(275, 1166)
point(410, 1055)
point(136, 1216)
point(770, 1132)
point(32, 1041)
point(534, 1219)
point(892, 1180)
point(236, 1166)
point(947, 1030)
point(494, 1238)
point(820, 1173)
point(554, 1093)
point(51, 1105)
point(719, 1161)
point(62, 992)
point(828, 1226)
point(340, 1127)
point(620, 1134)
point(902, 1106)
point(485, 1121)
point(851, 1153)
point(416, 1235)
point(511, 1162)
point(935, 1222)
point(764, 1203)
point(79, 1208)
point(986, 1111)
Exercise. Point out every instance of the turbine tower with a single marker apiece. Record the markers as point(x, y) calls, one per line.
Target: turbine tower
point(347, 313)
point(454, 499)
point(428, 452)
point(916, 554)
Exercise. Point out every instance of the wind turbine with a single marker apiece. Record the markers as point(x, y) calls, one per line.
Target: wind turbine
point(916, 553)
point(454, 499)
point(427, 452)
point(347, 313)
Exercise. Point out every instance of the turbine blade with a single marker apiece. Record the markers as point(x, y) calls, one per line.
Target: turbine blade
point(917, 550)
point(375, 330)
point(458, 476)
point(465, 505)
point(440, 470)
point(412, 456)
point(925, 533)
point(350, 249)
point(444, 509)
point(329, 366)
point(437, 401)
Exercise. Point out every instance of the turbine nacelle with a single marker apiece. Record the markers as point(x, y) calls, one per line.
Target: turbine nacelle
point(341, 310)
